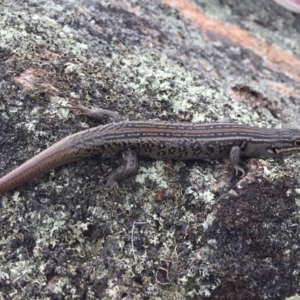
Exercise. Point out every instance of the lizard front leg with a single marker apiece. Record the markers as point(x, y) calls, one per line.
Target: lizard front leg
point(128, 168)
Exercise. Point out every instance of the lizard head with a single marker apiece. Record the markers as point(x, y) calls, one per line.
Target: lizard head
point(288, 142)
point(275, 143)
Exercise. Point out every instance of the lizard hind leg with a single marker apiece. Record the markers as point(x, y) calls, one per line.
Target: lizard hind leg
point(128, 168)
point(98, 114)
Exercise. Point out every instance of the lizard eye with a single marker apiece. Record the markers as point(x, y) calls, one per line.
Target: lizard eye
point(297, 143)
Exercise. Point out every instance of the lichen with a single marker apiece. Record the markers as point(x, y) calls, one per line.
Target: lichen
point(64, 235)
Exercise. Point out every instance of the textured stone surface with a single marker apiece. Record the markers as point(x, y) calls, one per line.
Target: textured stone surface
point(209, 235)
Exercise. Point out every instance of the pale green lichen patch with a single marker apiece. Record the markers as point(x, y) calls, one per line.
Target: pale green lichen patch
point(155, 173)
point(297, 199)
point(295, 297)
point(201, 182)
point(50, 34)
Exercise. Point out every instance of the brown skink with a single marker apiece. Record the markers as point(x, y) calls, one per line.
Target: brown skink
point(157, 140)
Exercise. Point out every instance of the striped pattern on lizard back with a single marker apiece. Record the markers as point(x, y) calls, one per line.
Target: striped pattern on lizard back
point(161, 140)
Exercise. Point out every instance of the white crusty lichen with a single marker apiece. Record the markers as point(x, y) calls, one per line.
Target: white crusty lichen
point(297, 199)
point(154, 173)
point(201, 182)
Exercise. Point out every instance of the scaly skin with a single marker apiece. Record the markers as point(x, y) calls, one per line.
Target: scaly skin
point(159, 140)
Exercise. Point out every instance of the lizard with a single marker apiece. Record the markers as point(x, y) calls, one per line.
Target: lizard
point(157, 140)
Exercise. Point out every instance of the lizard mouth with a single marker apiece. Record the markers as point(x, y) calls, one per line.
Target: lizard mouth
point(283, 150)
